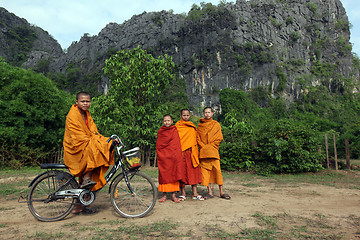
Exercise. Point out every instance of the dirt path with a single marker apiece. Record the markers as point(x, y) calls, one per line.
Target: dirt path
point(316, 209)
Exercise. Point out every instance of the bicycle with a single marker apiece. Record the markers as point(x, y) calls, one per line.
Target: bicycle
point(54, 193)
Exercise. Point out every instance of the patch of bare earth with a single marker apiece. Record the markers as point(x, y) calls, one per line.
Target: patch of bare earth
point(291, 211)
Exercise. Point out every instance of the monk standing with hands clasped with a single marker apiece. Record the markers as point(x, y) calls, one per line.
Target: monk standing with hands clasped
point(187, 132)
point(209, 137)
point(170, 164)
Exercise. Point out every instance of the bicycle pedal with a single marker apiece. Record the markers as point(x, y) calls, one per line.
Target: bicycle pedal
point(88, 184)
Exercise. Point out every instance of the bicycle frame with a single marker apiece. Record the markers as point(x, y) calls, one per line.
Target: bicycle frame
point(119, 164)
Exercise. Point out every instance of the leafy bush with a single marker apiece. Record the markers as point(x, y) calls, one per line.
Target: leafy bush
point(281, 137)
point(237, 149)
point(32, 114)
point(288, 147)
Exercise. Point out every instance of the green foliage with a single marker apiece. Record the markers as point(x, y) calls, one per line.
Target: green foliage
point(287, 147)
point(32, 115)
point(275, 23)
point(352, 133)
point(195, 13)
point(236, 101)
point(294, 36)
point(356, 62)
point(20, 40)
point(289, 20)
point(208, 10)
point(42, 66)
point(133, 107)
point(342, 25)
point(157, 19)
point(259, 95)
point(237, 149)
point(324, 70)
point(252, 54)
point(244, 66)
point(197, 63)
point(175, 98)
point(260, 54)
point(75, 80)
point(270, 135)
point(312, 7)
point(344, 46)
point(282, 80)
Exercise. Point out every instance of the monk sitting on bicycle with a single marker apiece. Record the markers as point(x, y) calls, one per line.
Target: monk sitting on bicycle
point(87, 153)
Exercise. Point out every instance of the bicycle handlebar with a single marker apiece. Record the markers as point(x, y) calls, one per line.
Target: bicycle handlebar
point(114, 137)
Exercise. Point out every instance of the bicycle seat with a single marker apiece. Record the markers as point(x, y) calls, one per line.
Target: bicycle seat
point(52, 165)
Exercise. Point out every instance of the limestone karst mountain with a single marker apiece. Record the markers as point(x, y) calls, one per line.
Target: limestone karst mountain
point(282, 45)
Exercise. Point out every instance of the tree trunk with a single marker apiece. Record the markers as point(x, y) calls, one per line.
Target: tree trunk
point(155, 159)
point(148, 152)
point(335, 154)
point(327, 151)
point(347, 149)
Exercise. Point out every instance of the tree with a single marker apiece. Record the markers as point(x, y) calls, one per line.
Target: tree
point(133, 107)
point(32, 115)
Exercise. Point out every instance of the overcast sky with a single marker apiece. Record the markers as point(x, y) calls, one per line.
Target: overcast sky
point(68, 20)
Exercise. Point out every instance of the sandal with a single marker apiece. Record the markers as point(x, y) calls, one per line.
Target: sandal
point(182, 198)
point(86, 211)
point(208, 196)
point(163, 199)
point(176, 200)
point(88, 183)
point(198, 197)
point(225, 196)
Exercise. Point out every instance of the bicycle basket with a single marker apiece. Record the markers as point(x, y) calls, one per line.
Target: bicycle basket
point(132, 157)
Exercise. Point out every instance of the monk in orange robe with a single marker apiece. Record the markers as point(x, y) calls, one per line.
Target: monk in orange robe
point(170, 164)
point(209, 137)
point(187, 132)
point(87, 153)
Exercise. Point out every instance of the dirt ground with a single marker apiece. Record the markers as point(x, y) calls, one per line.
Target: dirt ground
point(323, 212)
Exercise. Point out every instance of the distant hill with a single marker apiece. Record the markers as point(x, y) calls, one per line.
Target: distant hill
point(283, 46)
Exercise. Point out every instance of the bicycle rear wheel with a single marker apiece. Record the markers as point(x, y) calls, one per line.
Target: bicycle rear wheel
point(43, 205)
point(138, 204)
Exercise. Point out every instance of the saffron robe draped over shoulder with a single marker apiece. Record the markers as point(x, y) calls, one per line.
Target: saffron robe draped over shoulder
point(209, 137)
point(85, 149)
point(187, 132)
point(169, 155)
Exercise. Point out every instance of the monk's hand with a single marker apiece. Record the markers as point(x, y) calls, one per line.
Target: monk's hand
point(115, 142)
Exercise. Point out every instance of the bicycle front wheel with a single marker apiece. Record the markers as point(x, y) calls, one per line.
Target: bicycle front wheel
point(42, 203)
point(136, 204)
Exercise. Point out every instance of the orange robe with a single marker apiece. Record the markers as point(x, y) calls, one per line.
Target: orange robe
point(209, 137)
point(85, 149)
point(168, 150)
point(187, 133)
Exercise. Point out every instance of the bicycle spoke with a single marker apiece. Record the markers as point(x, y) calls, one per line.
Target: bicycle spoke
point(139, 204)
point(41, 204)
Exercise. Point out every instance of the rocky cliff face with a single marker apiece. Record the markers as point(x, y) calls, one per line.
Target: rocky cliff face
point(282, 46)
point(24, 44)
